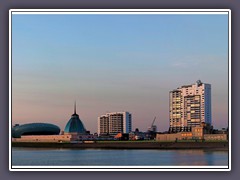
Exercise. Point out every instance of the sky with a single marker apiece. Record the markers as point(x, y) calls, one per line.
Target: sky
point(111, 63)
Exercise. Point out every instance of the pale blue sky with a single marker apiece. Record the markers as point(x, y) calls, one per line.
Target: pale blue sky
point(115, 63)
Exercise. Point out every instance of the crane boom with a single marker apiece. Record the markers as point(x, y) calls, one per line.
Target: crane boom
point(153, 121)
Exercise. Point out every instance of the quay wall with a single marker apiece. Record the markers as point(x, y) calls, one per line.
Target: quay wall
point(127, 145)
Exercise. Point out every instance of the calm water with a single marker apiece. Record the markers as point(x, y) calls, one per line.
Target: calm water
point(73, 157)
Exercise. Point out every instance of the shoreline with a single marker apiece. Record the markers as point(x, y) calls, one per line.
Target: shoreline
point(223, 146)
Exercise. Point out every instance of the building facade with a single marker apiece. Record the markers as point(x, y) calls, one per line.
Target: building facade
point(189, 106)
point(62, 138)
point(114, 123)
point(196, 134)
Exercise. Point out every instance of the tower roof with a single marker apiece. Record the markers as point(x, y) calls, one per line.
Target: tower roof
point(74, 124)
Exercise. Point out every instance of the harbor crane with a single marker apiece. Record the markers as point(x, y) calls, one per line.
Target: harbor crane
point(152, 127)
point(153, 121)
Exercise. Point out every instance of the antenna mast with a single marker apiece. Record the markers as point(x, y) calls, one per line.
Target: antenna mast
point(75, 108)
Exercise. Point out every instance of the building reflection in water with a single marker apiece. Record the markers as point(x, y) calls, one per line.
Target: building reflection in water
point(197, 157)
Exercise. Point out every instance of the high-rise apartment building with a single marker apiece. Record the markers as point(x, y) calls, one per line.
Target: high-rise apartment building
point(190, 106)
point(114, 123)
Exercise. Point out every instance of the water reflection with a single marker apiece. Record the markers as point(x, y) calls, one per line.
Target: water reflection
point(199, 157)
point(76, 157)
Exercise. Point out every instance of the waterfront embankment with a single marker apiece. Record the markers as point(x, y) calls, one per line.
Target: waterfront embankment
point(127, 145)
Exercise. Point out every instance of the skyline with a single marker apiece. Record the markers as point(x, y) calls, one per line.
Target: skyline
point(115, 63)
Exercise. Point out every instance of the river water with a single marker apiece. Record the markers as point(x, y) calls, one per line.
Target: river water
point(107, 157)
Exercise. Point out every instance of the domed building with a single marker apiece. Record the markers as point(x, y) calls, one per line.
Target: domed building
point(35, 129)
point(75, 125)
point(43, 132)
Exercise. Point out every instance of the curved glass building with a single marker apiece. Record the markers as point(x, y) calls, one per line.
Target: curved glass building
point(35, 129)
point(75, 125)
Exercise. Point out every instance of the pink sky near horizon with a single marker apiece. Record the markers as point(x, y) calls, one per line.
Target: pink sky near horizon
point(115, 63)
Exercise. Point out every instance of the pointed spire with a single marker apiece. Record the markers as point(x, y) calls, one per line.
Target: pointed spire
point(75, 108)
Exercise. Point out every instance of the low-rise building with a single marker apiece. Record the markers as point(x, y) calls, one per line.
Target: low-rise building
point(215, 137)
point(122, 136)
point(197, 133)
point(44, 138)
point(55, 138)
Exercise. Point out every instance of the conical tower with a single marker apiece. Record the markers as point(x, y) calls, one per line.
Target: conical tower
point(75, 125)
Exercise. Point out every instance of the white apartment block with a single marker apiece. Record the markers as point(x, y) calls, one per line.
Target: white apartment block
point(114, 123)
point(190, 106)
